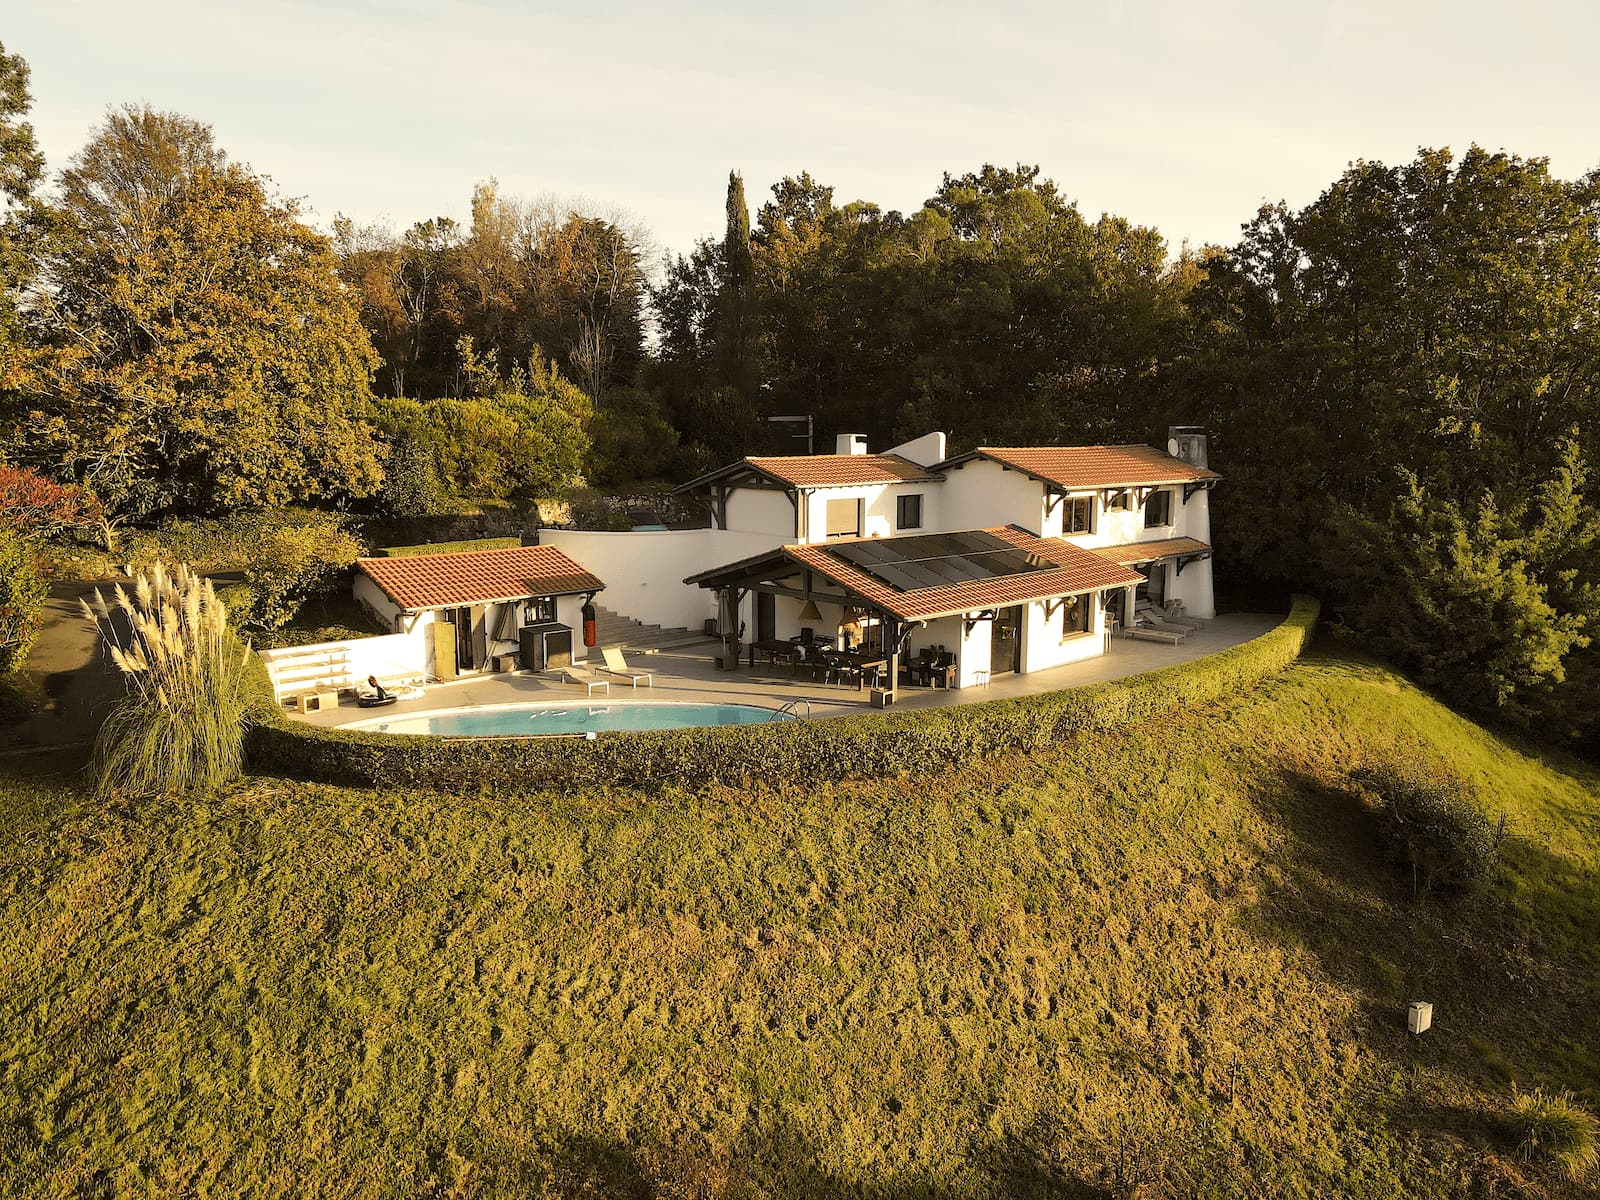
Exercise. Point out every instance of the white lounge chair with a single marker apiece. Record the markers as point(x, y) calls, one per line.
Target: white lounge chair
point(617, 665)
point(577, 674)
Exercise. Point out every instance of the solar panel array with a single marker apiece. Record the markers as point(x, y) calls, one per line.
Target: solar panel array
point(918, 561)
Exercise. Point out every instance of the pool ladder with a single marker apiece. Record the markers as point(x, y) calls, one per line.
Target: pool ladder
point(792, 711)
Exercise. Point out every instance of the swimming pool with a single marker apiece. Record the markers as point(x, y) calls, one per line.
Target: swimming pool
point(525, 720)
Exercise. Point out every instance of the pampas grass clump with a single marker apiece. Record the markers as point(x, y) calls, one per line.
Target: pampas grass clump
point(1555, 1126)
point(181, 726)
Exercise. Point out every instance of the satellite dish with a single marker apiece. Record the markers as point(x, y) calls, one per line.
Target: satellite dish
point(1172, 447)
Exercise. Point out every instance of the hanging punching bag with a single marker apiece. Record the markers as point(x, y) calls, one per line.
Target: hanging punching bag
point(588, 625)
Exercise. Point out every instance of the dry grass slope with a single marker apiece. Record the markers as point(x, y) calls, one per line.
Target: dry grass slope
point(1170, 962)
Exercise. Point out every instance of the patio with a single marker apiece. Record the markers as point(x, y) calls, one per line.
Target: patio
point(690, 674)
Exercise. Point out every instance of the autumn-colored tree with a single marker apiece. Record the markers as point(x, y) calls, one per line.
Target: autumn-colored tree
point(201, 353)
point(37, 507)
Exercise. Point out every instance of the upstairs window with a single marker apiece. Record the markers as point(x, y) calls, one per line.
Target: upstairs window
point(908, 511)
point(1079, 515)
point(1158, 509)
point(844, 518)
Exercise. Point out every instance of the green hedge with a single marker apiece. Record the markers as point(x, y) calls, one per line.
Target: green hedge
point(804, 752)
point(493, 543)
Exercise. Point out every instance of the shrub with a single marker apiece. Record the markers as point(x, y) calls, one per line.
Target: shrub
point(22, 596)
point(903, 742)
point(294, 560)
point(1432, 822)
point(181, 726)
point(491, 543)
point(1556, 1127)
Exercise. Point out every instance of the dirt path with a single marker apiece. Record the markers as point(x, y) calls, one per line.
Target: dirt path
point(79, 684)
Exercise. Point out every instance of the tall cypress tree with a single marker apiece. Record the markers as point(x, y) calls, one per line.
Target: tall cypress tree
point(737, 334)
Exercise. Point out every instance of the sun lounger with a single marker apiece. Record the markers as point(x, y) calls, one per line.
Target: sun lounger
point(577, 674)
point(617, 665)
point(1174, 614)
point(1153, 618)
point(1146, 632)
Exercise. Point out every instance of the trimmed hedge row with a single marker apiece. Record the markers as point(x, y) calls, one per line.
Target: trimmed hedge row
point(488, 543)
point(802, 752)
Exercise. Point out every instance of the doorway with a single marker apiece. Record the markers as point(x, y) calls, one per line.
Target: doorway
point(766, 617)
point(1005, 642)
point(1154, 587)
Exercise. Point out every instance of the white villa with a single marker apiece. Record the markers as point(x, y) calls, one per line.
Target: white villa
point(1003, 559)
point(914, 564)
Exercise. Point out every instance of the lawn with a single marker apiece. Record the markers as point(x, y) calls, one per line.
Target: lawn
point(1172, 962)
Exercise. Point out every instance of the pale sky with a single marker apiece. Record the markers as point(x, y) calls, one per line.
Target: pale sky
point(1185, 116)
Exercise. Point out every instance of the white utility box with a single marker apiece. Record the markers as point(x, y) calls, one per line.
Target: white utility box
point(1420, 1017)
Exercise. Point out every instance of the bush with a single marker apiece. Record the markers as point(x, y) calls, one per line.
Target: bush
point(22, 596)
point(493, 543)
point(1556, 1127)
point(904, 742)
point(1432, 822)
point(181, 726)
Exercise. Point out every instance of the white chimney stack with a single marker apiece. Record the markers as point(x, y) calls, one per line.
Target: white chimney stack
point(850, 443)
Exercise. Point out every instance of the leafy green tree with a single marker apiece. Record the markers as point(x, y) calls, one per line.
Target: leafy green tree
point(21, 168)
point(1436, 323)
point(201, 353)
point(516, 437)
point(1468, 599)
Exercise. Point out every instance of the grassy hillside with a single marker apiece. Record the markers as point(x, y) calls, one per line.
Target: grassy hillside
point(1172, 962)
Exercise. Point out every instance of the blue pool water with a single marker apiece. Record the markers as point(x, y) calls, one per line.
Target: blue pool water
point(587, 717)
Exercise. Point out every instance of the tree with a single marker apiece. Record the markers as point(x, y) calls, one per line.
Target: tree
point(738, 329)
point(36, 507)
point(199, 351)
point(1419, 351)
point(21, 168)
point(22, 598)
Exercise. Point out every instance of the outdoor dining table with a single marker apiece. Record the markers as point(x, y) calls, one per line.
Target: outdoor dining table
point(862, 661)
point(775, 649)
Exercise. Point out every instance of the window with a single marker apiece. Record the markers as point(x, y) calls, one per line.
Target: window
point(908, 512)
point(1120, 500)
point(1158, 509)
point(1079, 515)
point(844, 518)
point(540, 608)
point(1076, 614)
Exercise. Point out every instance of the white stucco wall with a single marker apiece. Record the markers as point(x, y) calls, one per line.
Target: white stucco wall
point(1043, 646)
point(393, 658)
point(644, 569)
point(371, 597)
point(754, 510)
point(1195, 587)
point(983, 494)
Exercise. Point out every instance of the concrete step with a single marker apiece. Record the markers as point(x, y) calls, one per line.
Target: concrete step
point(614, 629)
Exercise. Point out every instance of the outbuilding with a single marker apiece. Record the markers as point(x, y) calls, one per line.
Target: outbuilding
point(482, 610)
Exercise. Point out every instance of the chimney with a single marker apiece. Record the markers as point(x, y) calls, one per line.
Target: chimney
point(1187, 442)
point(850, 443)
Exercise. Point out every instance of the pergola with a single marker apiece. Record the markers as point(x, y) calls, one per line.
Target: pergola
point(908, 581)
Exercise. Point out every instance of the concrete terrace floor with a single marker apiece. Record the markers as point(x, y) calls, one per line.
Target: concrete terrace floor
point(690, 674)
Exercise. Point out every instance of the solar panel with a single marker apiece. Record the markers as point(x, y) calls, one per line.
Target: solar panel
point(918, 561)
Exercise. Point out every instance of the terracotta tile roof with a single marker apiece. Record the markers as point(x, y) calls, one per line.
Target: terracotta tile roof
point(423, 581)
point(843, 470)
point(1073, 467)
point(1074, 571)
point(1138, 552)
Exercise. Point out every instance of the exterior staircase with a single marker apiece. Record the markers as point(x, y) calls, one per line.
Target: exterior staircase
point(614, 629)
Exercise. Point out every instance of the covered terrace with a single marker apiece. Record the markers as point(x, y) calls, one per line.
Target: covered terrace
point(989, 602)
